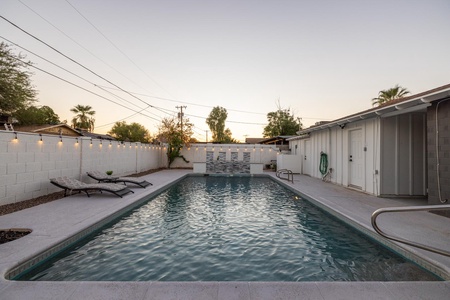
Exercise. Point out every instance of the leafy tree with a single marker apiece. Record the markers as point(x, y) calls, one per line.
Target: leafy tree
point(37, 116)
point(170, 132)
point(216, 123)
point(84, 117)
point(384, 96)
point(133, 132)
point(16, 90)
point(228, 139)
point(281, 122)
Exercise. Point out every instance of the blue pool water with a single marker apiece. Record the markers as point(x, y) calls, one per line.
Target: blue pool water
point(227, 229)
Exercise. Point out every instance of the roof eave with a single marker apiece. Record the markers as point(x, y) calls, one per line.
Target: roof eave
point(413, 103)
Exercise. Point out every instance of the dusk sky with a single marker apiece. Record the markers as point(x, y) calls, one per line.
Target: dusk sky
point(322, 59)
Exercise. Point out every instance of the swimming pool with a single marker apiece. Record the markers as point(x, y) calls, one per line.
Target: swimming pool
point(227, 229)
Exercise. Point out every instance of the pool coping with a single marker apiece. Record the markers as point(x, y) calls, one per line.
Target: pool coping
point(16, 255)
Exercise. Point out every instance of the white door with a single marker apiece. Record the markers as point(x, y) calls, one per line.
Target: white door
point(356, 159)
point(307, 158)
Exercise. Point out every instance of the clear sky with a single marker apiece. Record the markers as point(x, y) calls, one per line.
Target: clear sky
point(323, 59)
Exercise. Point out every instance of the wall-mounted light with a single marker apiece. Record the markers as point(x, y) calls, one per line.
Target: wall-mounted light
point(342, 125)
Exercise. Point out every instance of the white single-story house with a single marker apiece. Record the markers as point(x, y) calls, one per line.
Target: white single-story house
point(401, 148)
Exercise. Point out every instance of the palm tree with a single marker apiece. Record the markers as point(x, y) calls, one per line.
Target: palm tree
point(84, 118)
point(384, 96)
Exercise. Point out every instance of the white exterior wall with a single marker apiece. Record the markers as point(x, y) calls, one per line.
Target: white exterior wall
point(27, 164)
point(335, 143)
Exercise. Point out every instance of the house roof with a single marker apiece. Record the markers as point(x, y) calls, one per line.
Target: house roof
point(275, 139)
point(253, 140)
point(98, 136)
point(44, 128)
point(403, 105)
point(50, 129)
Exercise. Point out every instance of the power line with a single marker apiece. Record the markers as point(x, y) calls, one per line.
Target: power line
point(191, 103)
point(117, 48)
point(71, 59)
point(203, 105)
point(70, 72)
point(82, 88)
point(81, 46)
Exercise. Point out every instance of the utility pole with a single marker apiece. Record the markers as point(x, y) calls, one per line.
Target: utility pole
point(180, 116)
point(206, 131)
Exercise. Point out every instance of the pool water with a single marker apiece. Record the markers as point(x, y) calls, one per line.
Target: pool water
point(228, 229)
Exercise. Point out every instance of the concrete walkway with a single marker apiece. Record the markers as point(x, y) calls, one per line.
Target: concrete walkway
point(55, 222)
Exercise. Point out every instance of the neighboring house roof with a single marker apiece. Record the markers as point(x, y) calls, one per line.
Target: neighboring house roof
point(253, 140)
point(58, 129)
point(279, 140)
point(403, 105)
point(61, 129)
point(94, 135)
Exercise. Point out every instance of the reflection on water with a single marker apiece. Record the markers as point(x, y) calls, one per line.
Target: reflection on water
point(228, 229)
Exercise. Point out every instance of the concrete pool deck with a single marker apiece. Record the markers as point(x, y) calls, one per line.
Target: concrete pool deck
point(55, 222)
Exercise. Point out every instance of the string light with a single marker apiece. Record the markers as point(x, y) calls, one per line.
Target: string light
point(40, 137)
point(15, 135)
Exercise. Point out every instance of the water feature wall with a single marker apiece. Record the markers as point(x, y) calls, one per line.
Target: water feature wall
point(226, 158)
point(222, 166)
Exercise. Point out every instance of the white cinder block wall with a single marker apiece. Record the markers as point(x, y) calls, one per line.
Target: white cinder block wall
point(27, 163)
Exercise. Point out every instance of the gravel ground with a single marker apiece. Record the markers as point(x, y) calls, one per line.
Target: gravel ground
point(7, 235)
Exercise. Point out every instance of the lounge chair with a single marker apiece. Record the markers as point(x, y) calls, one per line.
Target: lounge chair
point(70, 184)
point(102, 177)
